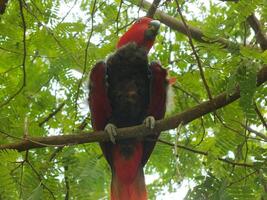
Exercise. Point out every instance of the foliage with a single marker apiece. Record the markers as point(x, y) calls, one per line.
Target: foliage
point(57, 64)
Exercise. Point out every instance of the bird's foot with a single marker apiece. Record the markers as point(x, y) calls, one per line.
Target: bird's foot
point(149, 122)
point(111, 129)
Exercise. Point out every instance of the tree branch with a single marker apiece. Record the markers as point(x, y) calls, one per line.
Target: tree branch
point(152, 10)
point(205, 153)
point(178, 25)
point(41, 123)
point(3, 4)
point(30, 10)
point(67, 184)
point(243, 178)
point(194, 51)
point(117, 18)
point(23, 59)
point(187, 116)
point(257, 133)
point(260, 116)
point(85, 58)
point(260, 35)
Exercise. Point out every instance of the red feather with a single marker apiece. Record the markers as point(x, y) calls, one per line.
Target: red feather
point(98, 98)
point(127, 158)
point(136, 34)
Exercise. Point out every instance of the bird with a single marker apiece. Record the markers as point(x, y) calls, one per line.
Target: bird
point(126, 90)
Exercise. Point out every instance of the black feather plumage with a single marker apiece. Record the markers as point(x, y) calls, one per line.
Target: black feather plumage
point(128, 85)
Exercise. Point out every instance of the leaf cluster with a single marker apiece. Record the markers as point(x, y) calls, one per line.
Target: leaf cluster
point(63, 41)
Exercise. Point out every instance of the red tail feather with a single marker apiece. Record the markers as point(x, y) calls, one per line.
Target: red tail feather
point(128, 182)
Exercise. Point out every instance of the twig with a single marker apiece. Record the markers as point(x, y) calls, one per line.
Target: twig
point(152, 10)
point(203, 133)
point(40, 179)
point(23, 59)
point(246, 141)
point(206, 154)
point(234, 130)
point(261, 135)
point(84, 123)
point(80, 128)
point(184, 147)
point(235, 163)
point(117, 18)
point(118, 30)
point(68, 12)
point(136, 131)
point(139, 7)
point(245, 34)
point(53, 155)
point(66, 178)
point(10, 69)
point(28, 55)
point(260, 116)
point(196, 100)
point(194, 51)
point(241, 179)
point(26, 128)
point(178, 131)
point(11, 136)
point(52, 114)
point(186, 92)
point(50, 32)
point(85, 58)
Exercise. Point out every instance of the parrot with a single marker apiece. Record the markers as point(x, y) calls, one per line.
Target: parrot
point(125, 90)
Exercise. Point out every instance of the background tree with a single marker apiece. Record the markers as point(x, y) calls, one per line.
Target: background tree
point(217, 52)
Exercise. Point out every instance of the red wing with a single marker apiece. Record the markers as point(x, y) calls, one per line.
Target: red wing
point(157, 104)
point(99, 102)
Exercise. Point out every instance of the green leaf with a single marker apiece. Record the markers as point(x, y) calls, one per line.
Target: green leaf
point(37, 193)
point(247, 79)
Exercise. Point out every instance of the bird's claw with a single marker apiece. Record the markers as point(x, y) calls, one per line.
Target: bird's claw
point(111, 129)
point(149, 122)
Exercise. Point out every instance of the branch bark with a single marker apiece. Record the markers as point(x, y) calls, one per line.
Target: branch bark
point(3, 4)
point(178, 25)
point(136, 131)
point(151, 11)
point(260, 35)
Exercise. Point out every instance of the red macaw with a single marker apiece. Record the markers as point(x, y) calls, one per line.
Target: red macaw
point(124, 91)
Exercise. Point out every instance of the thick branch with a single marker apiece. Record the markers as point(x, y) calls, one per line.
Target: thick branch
point(260, 35)
point(178, 25)
point(151, 11)
point(136, 131)
point(3, 4)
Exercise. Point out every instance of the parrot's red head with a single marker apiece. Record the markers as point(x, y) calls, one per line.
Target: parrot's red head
point(143, 32)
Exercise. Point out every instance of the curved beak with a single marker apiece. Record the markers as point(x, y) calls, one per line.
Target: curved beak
point(154, 25)
point(153, 29)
